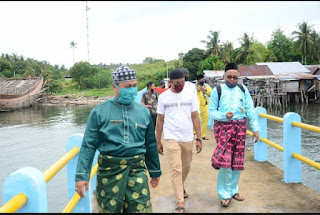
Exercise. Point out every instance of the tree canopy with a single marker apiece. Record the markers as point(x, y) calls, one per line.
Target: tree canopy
point(191, 61)
point(302, 45)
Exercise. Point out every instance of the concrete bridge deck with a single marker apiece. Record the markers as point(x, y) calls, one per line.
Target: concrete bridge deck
point(260, 183)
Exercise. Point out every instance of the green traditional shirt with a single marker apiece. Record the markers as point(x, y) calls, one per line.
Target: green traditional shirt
point(118, 130)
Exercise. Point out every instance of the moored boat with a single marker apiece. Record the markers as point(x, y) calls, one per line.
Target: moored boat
point(18, 93)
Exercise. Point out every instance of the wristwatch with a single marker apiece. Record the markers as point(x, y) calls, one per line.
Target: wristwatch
point(197, 139)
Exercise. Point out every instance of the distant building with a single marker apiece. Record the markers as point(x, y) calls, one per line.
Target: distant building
point(275, 79)
point(67, 76)
point(314, 69)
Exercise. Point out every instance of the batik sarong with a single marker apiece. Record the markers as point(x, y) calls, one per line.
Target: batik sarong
point(122, 185)
point(230, 137)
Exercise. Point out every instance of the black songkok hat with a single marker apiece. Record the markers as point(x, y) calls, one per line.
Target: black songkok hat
point(200, 76)
point(175, 74)
point(231, 66)
point(123, 73)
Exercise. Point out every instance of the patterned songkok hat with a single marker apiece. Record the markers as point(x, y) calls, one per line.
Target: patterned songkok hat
point(123, 73)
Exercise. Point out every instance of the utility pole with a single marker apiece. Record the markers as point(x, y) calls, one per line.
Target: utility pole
point(167, 70)
point(87, 9)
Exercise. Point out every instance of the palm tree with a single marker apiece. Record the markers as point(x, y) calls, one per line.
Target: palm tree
point(303, 40)
point(315, 38)
point(226, 52)
point(73, 45)
point(212, 44)
point(245, 44)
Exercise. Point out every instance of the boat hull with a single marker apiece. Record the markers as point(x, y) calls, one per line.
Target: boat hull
point(10, 102)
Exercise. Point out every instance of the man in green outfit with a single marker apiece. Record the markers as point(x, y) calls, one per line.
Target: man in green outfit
point(123, 132)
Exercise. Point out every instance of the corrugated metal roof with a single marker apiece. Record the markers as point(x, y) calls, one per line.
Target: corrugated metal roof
point(313, 68)
point(254, 70)
point(281, 71)
point(285, 67)
point(213, 73)
point(295, 76)
point(260, 77)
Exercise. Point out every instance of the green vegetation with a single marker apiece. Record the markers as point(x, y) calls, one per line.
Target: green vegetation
point(71, 88)
point(86, 93)
point(96, 80)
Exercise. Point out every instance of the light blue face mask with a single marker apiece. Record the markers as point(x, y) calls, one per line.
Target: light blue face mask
point(127, 95)
point(231, 85)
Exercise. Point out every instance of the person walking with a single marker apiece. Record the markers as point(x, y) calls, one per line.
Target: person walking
point(150, 100)
point(177, 115)
point(162, 84)
point(230, 111)
point(123, 132)
point(188, 83)
point(203, 93)
point(161, 88)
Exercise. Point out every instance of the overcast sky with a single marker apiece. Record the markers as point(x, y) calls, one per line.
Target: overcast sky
point(128, 32)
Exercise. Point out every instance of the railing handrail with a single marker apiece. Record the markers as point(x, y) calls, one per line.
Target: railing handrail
point(277, 146)
point(15, 203)
point(280, 148)
point(306, 126)
point(76, 197)
point(57, 166)
point(306, 160)
point(271, 117)
point(296, 124)
point(294, 154)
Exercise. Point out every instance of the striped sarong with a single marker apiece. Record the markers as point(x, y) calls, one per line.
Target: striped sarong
point(230, 137)
point(122, 185)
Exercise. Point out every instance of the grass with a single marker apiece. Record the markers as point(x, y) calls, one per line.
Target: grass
point(98, 92)
point(69, 88)
point(86, 93)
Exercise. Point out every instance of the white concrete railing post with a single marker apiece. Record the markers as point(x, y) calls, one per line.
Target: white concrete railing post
point(31, 182)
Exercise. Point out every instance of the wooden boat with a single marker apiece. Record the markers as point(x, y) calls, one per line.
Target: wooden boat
point(18, 93)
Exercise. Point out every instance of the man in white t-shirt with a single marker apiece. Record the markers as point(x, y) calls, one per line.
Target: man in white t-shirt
point(177, 116)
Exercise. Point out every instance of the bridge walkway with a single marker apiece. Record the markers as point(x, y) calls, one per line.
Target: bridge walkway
point(261, 183)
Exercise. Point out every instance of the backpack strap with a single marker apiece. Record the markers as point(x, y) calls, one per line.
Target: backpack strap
point(219, 92)
point(241, 88)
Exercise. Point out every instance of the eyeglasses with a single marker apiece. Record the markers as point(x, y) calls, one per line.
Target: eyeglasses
point(233, 77)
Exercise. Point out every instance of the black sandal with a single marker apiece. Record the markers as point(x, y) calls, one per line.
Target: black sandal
point(225, 204)
point(179, 209)
point(185, 195)
point(237, 197)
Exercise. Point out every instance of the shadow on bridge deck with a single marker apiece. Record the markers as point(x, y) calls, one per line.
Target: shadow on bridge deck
point(260, 183)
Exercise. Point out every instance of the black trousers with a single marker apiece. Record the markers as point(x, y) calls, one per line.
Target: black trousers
point(154, 119)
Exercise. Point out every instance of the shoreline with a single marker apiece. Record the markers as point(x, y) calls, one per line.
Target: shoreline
point(64, 100)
